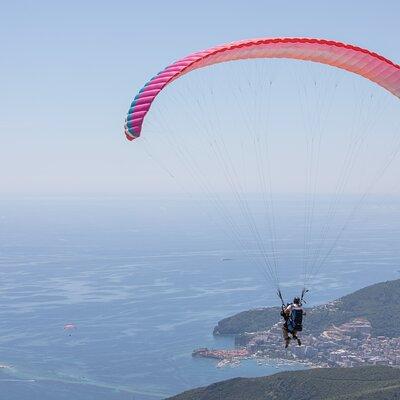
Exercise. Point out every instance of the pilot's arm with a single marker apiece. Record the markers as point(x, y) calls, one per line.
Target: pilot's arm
point(288, 309)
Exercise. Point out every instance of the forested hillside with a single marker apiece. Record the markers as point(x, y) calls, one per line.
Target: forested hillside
point(372, 303)
point(363, 383)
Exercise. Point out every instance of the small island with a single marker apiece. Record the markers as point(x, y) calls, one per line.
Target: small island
point(356, 330)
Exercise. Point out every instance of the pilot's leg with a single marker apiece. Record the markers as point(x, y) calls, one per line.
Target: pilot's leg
point(285, 334)
point(294, 334)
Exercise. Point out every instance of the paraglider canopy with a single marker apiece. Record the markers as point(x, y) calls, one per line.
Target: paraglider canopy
point(69, 328)
point(351, 58)
point(254, 119)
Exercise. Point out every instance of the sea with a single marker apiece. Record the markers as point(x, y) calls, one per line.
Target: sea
point(106, 297)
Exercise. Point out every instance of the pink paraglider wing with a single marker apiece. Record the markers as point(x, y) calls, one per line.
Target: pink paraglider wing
point(351, 58)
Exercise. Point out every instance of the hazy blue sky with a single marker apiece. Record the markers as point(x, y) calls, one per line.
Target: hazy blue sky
point(68, 72)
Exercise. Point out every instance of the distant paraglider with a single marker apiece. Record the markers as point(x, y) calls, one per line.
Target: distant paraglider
point(69, 328)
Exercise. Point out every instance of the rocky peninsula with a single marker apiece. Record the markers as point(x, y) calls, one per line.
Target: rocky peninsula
point(358, 329)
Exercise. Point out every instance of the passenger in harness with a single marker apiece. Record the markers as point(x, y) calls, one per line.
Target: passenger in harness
point(293, 316)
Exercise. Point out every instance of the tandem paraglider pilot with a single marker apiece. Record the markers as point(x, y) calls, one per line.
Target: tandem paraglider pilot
point(293, 321)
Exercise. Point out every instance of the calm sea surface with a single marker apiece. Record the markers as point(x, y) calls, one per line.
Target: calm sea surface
point(145, 281)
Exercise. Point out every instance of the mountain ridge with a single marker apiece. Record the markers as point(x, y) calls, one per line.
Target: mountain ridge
point(359, 383)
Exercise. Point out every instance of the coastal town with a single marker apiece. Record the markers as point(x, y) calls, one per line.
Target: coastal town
point(346, 345)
